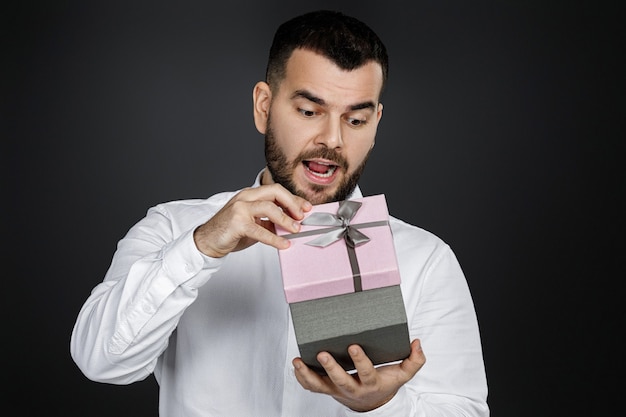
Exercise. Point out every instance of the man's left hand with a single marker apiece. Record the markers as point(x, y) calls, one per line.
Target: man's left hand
point(369, 387)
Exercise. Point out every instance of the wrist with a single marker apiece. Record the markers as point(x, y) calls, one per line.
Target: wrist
point(199, 238)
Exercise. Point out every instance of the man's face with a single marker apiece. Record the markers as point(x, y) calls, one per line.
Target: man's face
point(320, 126)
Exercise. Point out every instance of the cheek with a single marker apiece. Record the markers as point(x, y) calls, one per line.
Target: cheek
point(360, 151)
point(291, 136)
point(288, 139)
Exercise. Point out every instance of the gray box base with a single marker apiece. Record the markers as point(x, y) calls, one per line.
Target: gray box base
point(374, 319)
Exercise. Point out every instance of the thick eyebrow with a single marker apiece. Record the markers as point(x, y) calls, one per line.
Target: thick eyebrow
point(308, 96)
point(364, 105)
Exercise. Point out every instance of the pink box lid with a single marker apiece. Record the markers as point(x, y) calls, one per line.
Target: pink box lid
point(311, 272)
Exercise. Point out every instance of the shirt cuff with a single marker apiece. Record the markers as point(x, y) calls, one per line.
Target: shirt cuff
point(393, 408)
point(183, 259)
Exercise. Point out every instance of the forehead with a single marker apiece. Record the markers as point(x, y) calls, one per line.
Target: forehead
point(307, 70)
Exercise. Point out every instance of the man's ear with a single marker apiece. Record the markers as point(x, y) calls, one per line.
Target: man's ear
point(379, 115)
point(261, 97)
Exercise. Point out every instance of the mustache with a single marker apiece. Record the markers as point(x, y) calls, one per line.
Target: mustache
point(323, 153)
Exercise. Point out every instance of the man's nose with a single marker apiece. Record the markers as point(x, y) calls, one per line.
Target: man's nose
point(331, 136)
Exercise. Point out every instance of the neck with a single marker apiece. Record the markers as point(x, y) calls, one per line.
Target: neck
point(266, 177)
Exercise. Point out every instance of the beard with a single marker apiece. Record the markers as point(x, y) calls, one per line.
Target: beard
point(282, 170)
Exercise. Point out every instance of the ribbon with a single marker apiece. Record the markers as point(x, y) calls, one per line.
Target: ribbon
point(346, 211)
point(339, 227)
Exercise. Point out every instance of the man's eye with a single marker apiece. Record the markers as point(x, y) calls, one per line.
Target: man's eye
point(306, 113)
point(356, 122)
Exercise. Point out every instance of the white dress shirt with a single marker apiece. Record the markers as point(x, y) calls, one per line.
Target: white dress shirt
point(217, 333)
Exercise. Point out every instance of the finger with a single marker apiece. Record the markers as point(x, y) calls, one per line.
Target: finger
point(239, 225)
point(269, 211)
point(293, 205)
point(259, 233)
point(363, 365)
point(415, 361)
point(265, 215)
point(345, 382)
point(309, 379)
point(245, 219)
point(253, 228)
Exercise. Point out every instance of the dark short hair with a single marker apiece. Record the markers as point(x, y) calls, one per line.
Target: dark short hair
point(345, 40)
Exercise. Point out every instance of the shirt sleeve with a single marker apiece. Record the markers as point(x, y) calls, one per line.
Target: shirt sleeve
point(441, 314)
point(126, 322)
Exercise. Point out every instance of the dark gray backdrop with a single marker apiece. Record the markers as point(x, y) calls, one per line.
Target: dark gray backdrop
point(498, 135)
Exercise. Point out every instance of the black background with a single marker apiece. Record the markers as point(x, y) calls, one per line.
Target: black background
point(499, 135)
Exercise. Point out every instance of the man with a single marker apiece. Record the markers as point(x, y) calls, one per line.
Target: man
point(194, 292)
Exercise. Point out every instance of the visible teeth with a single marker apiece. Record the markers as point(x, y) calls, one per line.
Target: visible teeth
point(331, 170)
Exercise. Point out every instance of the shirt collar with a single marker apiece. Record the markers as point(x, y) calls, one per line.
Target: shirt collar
point(355, 194)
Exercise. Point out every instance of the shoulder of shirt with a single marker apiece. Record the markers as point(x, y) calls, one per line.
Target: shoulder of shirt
point(411, 235)
point(198, 205)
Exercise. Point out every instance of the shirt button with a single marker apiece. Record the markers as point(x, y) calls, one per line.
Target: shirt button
point(188, 268)
point(147, 308)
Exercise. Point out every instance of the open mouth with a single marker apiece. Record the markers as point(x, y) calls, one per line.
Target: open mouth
point(320, 169)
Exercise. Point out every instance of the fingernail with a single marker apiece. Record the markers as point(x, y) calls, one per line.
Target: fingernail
point(296, 226)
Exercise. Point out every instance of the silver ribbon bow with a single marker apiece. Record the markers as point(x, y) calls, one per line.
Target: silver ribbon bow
point(339, 224)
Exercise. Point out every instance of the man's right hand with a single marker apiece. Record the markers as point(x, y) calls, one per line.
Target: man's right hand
point(249, 217)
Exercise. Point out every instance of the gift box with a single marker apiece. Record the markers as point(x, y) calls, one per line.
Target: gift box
point(342, 283)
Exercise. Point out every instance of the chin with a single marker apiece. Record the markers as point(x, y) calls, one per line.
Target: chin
point(319, 199)
point(326, 195)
